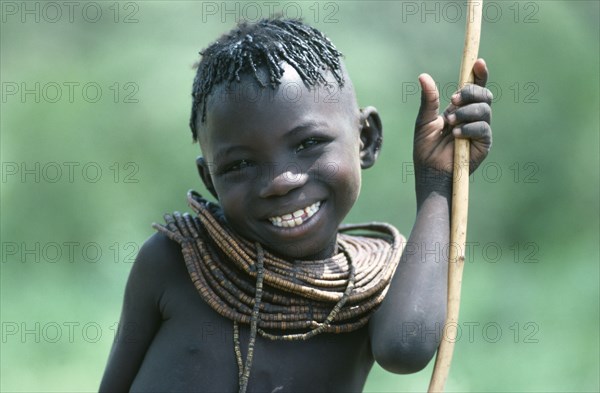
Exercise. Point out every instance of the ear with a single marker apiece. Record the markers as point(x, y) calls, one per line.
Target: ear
point(204, 173)
point(371, 136)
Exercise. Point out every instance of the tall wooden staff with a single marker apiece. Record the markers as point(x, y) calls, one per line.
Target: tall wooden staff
point(460, 204)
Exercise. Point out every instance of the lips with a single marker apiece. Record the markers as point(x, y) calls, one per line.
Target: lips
point(296, 218)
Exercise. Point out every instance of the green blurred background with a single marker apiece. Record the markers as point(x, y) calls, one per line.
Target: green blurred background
point(95, 147)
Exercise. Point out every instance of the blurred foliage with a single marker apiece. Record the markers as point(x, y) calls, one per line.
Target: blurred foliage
point(83, 177)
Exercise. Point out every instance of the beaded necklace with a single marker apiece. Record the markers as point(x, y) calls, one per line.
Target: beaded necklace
point(247, 284)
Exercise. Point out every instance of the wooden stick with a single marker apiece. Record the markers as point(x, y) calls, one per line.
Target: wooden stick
point(460, 204)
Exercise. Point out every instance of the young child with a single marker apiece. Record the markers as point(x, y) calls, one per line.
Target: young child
point(265, 292)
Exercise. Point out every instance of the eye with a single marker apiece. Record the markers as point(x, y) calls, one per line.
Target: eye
point(307, 143)
point(236, 166)
point(239, 165)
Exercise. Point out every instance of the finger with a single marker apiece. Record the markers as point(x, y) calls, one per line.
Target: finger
point(480, 71)
point(470, 94)
point(479, 131)
point(430, 100)
point(479, 111)
point(449, 109)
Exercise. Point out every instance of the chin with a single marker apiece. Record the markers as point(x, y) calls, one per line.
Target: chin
point(304, 250)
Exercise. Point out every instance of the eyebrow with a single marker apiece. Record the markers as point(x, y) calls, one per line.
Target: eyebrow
point(221, 154)
point(307, 125)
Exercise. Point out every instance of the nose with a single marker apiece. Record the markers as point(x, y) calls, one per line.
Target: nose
point(279, 183)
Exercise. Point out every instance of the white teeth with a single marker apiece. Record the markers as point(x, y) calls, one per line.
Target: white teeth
point(296, 218)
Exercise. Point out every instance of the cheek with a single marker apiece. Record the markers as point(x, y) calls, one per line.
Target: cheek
point(341, 163)
point(235, 213)
point(352, 182)
point(345, 178)
point(230, 198)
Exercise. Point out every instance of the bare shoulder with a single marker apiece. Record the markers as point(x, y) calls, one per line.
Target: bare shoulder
point(160, 251)
point(158, 256)
point(158, 265)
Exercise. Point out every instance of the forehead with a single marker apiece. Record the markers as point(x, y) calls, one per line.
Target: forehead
point(249, 108)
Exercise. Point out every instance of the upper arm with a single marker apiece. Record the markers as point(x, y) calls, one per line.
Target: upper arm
point(407, 328)
point(140, 316)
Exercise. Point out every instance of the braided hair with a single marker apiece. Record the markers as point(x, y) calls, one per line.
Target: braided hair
point(267, 43)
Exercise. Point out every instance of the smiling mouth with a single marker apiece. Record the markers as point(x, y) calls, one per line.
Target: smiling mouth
point(296, 218)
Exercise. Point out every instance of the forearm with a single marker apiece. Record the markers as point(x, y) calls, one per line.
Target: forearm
point(406, 329)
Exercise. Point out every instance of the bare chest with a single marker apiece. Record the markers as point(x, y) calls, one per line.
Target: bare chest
point(194, 351)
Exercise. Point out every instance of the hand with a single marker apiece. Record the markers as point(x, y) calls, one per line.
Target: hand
point(467, 116)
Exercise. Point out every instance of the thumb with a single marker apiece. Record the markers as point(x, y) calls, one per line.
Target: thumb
point(430, 100)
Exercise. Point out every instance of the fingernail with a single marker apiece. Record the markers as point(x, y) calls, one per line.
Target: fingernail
point(455, 97)
point(456, 131)
point(451, 118)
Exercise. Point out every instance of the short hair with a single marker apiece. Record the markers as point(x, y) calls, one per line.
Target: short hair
point(266, 43)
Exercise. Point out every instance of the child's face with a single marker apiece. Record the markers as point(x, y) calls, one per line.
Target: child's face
point(275, 153)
